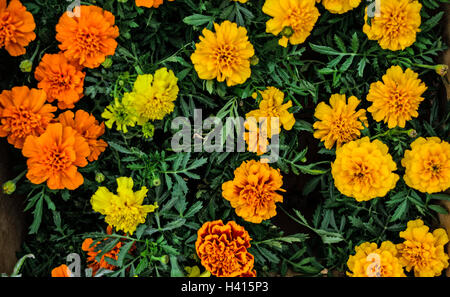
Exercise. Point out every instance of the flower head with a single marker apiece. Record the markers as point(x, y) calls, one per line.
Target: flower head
point(89, 38)
point(364, 169)
point(60, 79)
point(153, 96)
point(370, 261)
point(396, 26)
point(23, 112)
point(340, 122)
point(256, 138)
point(120, 112)
point(224, 55)
point(150, 3)
point(428, 165)
point(61, 271)
point(88, 127)
point(396, 99)
point(54, 157)
point(422, 250)
point(253, 191)
point(16, 27)
point(123, 210)
point(222, 249)
point(299, 16)
point(340, 6)
point(271, 107)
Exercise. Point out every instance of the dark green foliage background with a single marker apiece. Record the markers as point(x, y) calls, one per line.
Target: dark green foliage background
point(316, 227)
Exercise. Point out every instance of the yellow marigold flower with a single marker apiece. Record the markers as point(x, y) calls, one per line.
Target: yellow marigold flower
point(123, 210)
point(242, 1)
point(340, 122)
point(252, 192)
point(428, 165)
point(423, 251)
point(224, 55)
point(340, 6)
point(298, 16)
point(396, 26)
point(397, 98)
point(271, 106)
point(153, 96)
point(364, 170)
point(371, 261)
point(120, 112)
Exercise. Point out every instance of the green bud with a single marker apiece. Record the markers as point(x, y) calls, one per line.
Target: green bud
point(287, 32)
point(254, 60)
point(156, 182)
point(99, 177)
point(148, 130)
point(107, 63)
point(26, 65)
point(441, 69)
point(164, 259)
point(9, 187)
point(412, 133)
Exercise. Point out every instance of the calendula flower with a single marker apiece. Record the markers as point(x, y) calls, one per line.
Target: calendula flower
point(340, 6)
point(364, 169)
point(23, 112)
point(371, 261)
point(396, 25)
point(122, 113)
point(54, 157)
point(150, 3)
point(339, 122)
point(292, 19)
point(88, 127)
point(224, 55)
point(256, 138)
point(123, 210)
point(423, 251)
point(153, 96)
point(253, 191)
point(396, 99)
point(60, 79)
point(222, 249)
point(89, 38)
point(428, 165)
point(272, 107)
point(61, 271)
point(16, 27)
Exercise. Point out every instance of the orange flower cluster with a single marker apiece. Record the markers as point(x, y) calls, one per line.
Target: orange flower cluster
point(16, 27)
point(222, 249)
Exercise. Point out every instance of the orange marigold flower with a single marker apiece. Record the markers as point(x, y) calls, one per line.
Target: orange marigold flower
point(150, 3)
point(61, 271)
point(222, 249)
point(256, 138)
point(88, 127)
point(23, 112)
point(54, 157)
point(252, 192)
point(60, 79)
point(87, 39)
point(16, 27)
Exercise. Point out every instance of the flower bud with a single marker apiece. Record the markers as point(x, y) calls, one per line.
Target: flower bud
point(156, 182)
point(254, 60)
point(107, 63)
point(148, 130)
point(9, 187)
point(26, 65)
point(441, 69)
point(287, 32)
point(412, 133)
point(99, 177)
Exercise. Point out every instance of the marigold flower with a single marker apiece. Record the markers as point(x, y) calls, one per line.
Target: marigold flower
point(298, 15)
point(16, 27)
point(252, 192)
point(153, 96)
point(120, 112)
point(150, 3)
point(271, 107)
point(87, 39)
point(88, 127)
point(123, 210)
point(364, 170)
point(256, 138)
point(340, 122)
point(370, 261)
point(340, 6)
point(222, 249)
point(422, 250)
point(60, 79)
point(61, 271)
point(224, 55)
point(23, 112)
point(428, 165)
point(54, 157)
point(396, 26)
point(396, 99)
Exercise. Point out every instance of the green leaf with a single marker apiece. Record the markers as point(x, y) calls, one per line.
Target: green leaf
point(123, 252)
point(355, 42)
point(119, 148)
point(400, 211)
point(438, 209)
point(197, 19)
point(326, 50)
point(194, 209)
point(175, 270)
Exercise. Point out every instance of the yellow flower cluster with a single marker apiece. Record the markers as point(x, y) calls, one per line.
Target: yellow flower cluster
point(421, 251)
